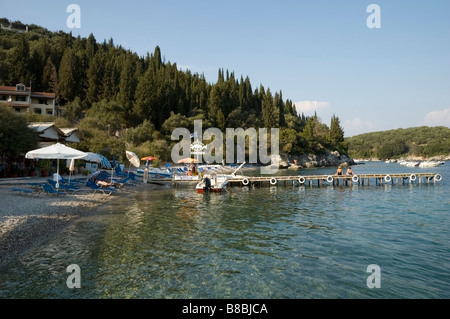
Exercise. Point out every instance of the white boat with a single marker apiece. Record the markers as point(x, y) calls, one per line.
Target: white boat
point(183, 179)
point(430, 163)
point(155, 173)
point(412, 164)
point(212, 183)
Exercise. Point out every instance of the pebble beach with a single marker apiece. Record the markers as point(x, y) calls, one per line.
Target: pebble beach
point(27, 220)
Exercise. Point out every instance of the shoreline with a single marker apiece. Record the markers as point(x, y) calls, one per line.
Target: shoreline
point(27, 221)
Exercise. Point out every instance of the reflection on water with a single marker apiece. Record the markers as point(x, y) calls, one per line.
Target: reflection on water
point(269, 242)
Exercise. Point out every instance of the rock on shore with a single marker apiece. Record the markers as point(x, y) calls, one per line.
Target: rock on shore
point(317, 160)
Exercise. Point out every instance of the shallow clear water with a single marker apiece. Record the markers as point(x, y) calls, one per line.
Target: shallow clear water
point(270, 242)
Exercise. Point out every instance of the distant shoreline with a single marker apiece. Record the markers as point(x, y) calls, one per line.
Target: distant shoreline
point(407, 158)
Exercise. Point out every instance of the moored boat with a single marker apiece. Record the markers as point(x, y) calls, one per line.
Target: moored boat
point(212, 183)
point(431, 163)
point(412, 164)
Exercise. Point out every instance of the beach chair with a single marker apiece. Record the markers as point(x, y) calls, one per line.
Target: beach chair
point(63, 187)
point(133, 177)
point(125, 181)
point(72, 182)
point(119, 172)
point(48, 189)
point(96, 188)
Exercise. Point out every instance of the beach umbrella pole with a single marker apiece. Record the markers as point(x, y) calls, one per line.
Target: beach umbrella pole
point(57, 173)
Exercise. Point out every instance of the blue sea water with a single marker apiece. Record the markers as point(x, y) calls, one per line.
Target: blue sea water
point(289, 242)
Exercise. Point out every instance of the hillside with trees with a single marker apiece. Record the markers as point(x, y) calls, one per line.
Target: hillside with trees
point(122, 101)
point(393, 144)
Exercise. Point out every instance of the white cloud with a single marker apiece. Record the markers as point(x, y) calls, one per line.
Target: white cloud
point(357, 126)
point(438, 118)
point(309, 107)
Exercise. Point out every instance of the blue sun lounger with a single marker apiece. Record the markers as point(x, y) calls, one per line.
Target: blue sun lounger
point(96, 188)
point(48, 189)
point(63, 187)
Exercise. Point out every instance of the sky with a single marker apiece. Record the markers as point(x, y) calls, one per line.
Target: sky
point(375, 67)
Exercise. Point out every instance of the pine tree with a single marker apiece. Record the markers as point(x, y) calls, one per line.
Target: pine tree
point(91, 47)
point(143, 96)
point(127, 86)
point(19, 62)
point(336, 131)
point(269, 112)
point(36, 71)
point(95, 80)
point(69, 83)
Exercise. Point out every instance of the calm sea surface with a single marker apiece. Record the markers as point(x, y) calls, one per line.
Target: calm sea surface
point(269, 242)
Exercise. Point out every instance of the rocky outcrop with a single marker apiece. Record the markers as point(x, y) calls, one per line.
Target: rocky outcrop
point(316, 160)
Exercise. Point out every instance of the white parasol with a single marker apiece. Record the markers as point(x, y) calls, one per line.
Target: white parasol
point(56, 151)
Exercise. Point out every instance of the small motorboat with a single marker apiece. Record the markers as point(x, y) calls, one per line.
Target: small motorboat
point(212, 183)
point(431, 163)
point(412, 164)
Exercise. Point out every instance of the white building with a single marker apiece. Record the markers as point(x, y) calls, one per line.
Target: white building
point(21, 99)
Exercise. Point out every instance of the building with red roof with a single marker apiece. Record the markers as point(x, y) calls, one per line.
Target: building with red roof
point(21, 99)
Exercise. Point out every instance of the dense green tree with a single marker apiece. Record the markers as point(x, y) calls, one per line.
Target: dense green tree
point(109, 114)
point(95, 77)
point(127, 86)
point(49, 76)
point(19, 62)
point(143, 106)
point(417, 141)
point(139, 134)
point(173, 122)
point(70, 84)
point(336, 131)
point(73, 111)
point(15, 136)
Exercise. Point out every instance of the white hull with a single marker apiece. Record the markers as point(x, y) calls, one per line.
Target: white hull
point(218, 183)
point(430, 164)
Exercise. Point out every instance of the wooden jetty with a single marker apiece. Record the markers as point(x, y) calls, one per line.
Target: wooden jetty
point(335, 180)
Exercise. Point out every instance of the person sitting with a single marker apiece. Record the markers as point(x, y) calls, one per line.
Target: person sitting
point(339, 171)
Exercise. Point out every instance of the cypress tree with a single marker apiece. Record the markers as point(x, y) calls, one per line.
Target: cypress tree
point(19, 62)
point(336, 131)
point(127, 86)
point(95, 80)
point(68, 82)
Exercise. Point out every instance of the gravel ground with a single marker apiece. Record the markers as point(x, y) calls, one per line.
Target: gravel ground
point(29, 220)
